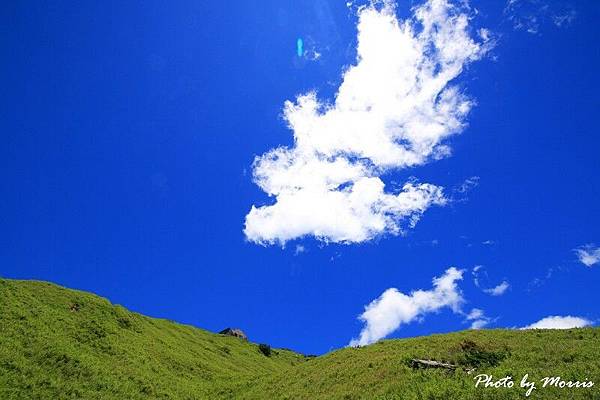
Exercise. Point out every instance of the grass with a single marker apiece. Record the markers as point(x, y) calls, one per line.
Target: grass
point(57, 343)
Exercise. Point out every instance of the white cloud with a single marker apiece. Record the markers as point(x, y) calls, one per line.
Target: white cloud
point(394, 308)
point(588, 255)
point(480, 274)
point(480, 323)
point(498, 290)
point(558, 322)
point(475, 313)
point(478, 318)
point(394, 109)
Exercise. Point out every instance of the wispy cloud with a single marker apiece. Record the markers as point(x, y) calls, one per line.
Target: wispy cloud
point(565, 18)
point(469, 184)
point(394, 308)
point(480, 278)
point(559, 322)
point(475, 273)
point(588, 255)
point(394, 109)
point(299, 249)
point(530, 15)
point(460, 192)
point(550, 274)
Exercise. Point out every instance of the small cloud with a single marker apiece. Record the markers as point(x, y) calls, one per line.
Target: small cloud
point(460, 192)
point(475, 313)
point(393, 308)
point(480, 323)
point(498, 290)
point(484, 34)
point(564, 19)
point(335, 256)
point(299, 249)
point(313, 55)
point(588, 255)
point(540, 281)
point(478, 318)
point(478, 273)
point(558, 322)
point(475, 274)
point(488, 243)
point(469, 184)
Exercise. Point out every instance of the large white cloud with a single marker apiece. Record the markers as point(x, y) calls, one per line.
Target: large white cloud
point(558, 322)
point(394, 109)
point(394, 308)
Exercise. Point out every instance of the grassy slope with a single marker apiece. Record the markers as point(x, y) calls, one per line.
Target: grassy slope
point(103, 351)
point(381, 371)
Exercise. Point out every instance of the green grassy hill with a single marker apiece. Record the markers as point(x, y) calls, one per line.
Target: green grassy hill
point(57, 343)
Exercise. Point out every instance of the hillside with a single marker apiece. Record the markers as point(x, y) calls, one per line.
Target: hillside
point(382, 371)
point(57, 343)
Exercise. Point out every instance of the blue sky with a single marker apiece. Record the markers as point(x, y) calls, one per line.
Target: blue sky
point(129, 134)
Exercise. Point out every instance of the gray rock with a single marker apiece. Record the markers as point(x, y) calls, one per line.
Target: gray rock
point(234, 332)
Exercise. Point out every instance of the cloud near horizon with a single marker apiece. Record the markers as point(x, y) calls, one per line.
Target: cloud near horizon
point(478, 318)
point(393, 308)
point(393, 110)
point(560, 322)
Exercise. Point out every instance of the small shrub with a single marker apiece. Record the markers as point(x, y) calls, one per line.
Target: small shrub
point(124, 322)
point(475, 356)
point(265, 349)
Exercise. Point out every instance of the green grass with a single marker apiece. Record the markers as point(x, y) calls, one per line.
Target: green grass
point(57, 343)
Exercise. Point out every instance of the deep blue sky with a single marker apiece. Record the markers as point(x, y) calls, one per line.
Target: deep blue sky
point(127, 137)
